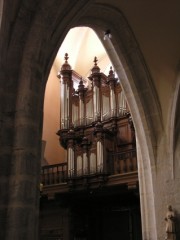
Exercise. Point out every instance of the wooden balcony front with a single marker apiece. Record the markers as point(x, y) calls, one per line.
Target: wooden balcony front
point(121, 169)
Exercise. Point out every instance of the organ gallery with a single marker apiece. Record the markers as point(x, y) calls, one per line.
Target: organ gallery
point(95, 123)
point(97, 184)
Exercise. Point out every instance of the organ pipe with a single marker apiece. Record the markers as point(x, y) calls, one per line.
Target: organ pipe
point(70, 152)
point(81, 91)
point(66, 86)
point(62, 109)
point(85, 145)
point(95, 77)
point(96, 103)
point(85, 163)
point(112, 103)
point(92, 162)
point(98, 131)
point(79, 165)
point(70, 161)
point(112, 82)
point(99, 156)
point(88, 110)
point(122, 104)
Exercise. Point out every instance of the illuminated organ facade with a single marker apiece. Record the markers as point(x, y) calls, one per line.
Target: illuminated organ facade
point(95, 124)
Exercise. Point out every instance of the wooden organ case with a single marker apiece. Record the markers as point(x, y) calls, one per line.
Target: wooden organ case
point(93, 194)
point(96, 127)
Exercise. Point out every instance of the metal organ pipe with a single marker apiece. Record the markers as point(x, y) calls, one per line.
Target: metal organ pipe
point(66, 106)
point(79, 165)
point(96, 103)
point(85, 155)
point(112, 81)
point(122, 103)
point(81, 112)
point(66, 92)
point(70, 161)
point(99, 156)
point(62, 109)
point(102, 102)
point(81, 90)
point(95, 78)
point(70, 152)
point(85, 163)
point(99, 131)
point(112, 103)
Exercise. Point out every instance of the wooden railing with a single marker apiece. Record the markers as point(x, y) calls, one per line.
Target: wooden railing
point(122, 162)
point(54, 174)
point(117, 163)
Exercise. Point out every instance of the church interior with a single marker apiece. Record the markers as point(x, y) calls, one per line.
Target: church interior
point(89, 120)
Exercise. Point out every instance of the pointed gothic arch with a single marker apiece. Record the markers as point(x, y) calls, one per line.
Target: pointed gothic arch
point(42, 41)
point(174, 136)
point(130, 66)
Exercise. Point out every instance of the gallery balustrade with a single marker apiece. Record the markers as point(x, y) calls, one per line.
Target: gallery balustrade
point(117, 163)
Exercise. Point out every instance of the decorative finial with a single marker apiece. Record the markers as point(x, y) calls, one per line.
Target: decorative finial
point(66, 57)
point(81, 86)
point(66, 65)
point(111, 77)
point(81, 81)
point(95, 61)
point(95, 68)
point(111, 73)
point(111, 70)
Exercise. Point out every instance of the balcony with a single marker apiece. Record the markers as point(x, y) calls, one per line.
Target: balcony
point(121, 169)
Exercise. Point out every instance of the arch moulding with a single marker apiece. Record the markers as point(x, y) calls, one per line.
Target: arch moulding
point(136, 81)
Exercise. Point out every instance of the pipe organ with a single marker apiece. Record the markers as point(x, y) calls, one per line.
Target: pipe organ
point(95, 123)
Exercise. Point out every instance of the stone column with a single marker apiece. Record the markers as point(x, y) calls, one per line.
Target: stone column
point(24, 163)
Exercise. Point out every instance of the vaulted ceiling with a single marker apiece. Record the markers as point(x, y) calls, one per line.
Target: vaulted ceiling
point(82, 45)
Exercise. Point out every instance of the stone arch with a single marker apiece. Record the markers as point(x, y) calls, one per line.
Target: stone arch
point(173, 138)
point(174, 130)
point(41, 41)
point(130, 66)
